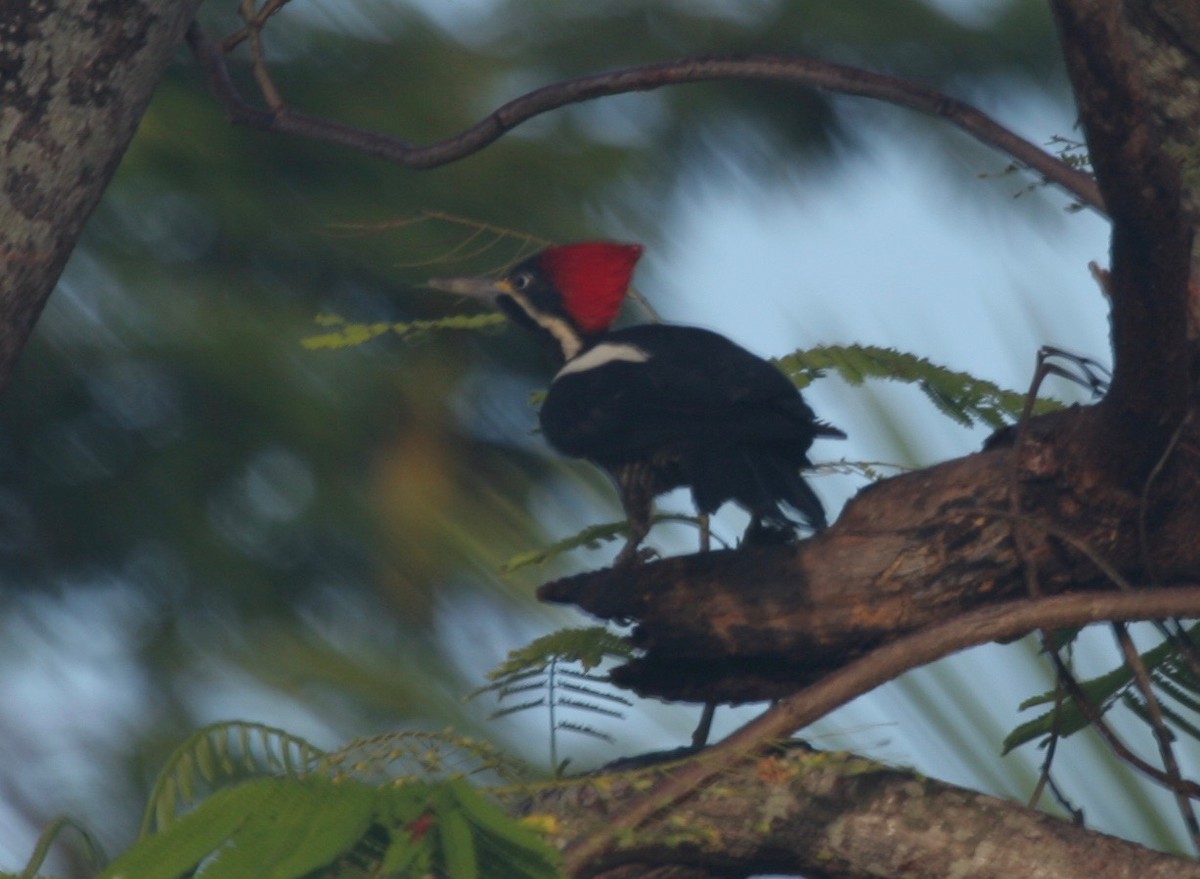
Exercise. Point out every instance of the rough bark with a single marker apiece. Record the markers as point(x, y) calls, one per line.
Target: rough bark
point(1137, 85)
point(75, 79)
point(1104, 495)
point(819, 814)
point(1098, 497)
point(752, 624)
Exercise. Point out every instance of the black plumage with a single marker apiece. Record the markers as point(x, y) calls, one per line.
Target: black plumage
point(660, 406)
point(699, 411)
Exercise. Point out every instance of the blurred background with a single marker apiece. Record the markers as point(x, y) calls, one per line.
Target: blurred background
point(202, 519)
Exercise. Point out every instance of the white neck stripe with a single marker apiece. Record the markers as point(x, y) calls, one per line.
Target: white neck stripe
point(605, 352)
point(562, 331)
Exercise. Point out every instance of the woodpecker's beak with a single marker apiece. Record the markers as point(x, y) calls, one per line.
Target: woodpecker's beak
point(484, 289)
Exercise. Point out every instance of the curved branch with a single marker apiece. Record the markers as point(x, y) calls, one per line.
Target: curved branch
point(999, 622)
point(794, 69)
point(792, 811)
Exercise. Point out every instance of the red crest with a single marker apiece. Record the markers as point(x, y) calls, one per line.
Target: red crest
point(593, 277)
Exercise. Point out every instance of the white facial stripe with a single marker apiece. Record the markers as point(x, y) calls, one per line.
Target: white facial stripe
point(605, 352)
point(562, 331)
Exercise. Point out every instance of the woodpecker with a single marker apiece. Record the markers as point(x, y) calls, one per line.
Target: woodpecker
point(659, 406)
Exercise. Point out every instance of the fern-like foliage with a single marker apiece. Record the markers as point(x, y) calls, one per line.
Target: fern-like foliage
point(289, 827)
point(957, 395)
point(93, 851)
point(557, 672)
point(400, 805)
point(220, 753)
point(588, 647)
point(422, 755)
point(1178, 691)
point(872, 471)
point(592, 537)
point(343, 334)
point(1070, 151)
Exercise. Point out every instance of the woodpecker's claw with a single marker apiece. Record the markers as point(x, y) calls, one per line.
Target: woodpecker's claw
point(631, 555)
point(1087, 372)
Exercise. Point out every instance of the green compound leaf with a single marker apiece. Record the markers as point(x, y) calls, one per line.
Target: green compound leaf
point(178, 850)
point(958, 395)
point(288, 827)
point(1168, 672)
point(592, 537)
point(346, 335)
point(588, 646)
point(229, 750)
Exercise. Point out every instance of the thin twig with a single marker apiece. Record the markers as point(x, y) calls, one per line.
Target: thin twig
point(1159, 725)
point(1051, 747)
point(1016, 523)
point(794, 69)
point(1076, 813)
point(253, 19)
point(1173, 629)
point(791, 713)
point(1116, 745)
point(1144, 502)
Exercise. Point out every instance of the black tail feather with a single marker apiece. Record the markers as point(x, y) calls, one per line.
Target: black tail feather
point(759, 480)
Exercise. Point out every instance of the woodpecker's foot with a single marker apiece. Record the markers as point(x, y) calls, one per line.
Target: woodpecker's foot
point(632, 555)
point(700, 736)
point(766, 532)
point(1084, 371)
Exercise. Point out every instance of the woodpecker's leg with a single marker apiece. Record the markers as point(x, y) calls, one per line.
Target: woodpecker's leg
point(765, 530)
point(637, 498)
point(639, 527)
point(705, 532)
point(700, 736)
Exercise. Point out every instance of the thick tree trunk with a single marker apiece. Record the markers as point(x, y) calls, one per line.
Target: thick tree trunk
point(75, 79)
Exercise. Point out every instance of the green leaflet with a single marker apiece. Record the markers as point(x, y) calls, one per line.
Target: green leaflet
point(222, 749)
point(178, 850)
point(288, 827)
point(592, 537)
point(349, 334)
point(522, 853)
point(456, 842)
point(403, 809)
point(589, 646)
point(958, 395)
point(92, 849)
point(1169, 675)
point(266, 843)
point(547, 668)
point(333, 825)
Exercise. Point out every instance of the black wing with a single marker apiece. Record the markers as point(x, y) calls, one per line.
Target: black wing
point(695, 387)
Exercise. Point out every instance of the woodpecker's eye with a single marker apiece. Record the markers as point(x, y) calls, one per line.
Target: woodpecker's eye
point(522, 280)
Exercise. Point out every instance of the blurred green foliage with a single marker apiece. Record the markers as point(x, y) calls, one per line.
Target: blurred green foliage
point(271, 519)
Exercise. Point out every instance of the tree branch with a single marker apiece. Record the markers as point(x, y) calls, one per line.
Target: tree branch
point(908, 552)
point(1000, 622)
point(793, 69)
point(797, 812)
